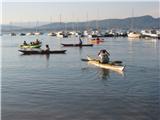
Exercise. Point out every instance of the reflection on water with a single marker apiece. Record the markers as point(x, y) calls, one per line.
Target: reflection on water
point(132, 39)
point(47, 56)
point(47, 60)
point(62, 87)
point(80, 50)
point(104, 74)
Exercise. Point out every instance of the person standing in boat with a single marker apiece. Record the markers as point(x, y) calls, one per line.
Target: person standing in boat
point(80, 41)
point(104, 56)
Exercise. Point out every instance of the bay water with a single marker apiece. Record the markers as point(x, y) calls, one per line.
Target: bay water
point(62, 87)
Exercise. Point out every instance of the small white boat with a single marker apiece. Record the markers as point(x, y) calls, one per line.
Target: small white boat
point(51, 34)
point(134, 35)
point(62, 34)
point(59, 34)
point(30, 33)
point(38, 33)
point(149, 33)
point(86, 34)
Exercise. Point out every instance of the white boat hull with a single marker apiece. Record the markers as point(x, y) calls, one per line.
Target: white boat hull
point(113, 67)
point(134, 35)
point(107, 66)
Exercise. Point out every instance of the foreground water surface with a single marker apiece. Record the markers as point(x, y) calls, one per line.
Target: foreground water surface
point(62, 87)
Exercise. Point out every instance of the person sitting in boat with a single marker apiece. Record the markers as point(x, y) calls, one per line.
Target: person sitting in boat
point(25, 43)
point(37, 42)
point(80, 41)
point(104, 56)
point(47, 48)
point(31, 43)
point(98, 39)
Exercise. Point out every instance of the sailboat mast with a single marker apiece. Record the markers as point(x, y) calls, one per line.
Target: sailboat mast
point(132, 17)
point(51, 19)
point(97, 26)
point(87, 22)
point(60, 18)
point(77, 22)
point(37, 23)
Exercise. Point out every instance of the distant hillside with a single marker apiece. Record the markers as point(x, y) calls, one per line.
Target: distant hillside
point(10, 28)
point(142, 22)
point(29, 24)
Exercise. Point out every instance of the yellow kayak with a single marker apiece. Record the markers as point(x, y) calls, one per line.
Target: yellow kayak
point(113, 67)
point(30, 46)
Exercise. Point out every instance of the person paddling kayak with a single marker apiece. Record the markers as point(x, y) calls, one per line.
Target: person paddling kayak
point(104, 56)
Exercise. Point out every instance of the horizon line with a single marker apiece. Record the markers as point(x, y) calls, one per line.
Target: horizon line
point(15, 22)
point(70, 1)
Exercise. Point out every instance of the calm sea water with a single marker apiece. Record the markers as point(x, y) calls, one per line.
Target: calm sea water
point(62, 87)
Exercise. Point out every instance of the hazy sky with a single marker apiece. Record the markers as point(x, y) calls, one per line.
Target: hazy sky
point(75, 11)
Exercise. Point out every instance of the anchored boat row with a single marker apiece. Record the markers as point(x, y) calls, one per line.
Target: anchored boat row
point(152, 33)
